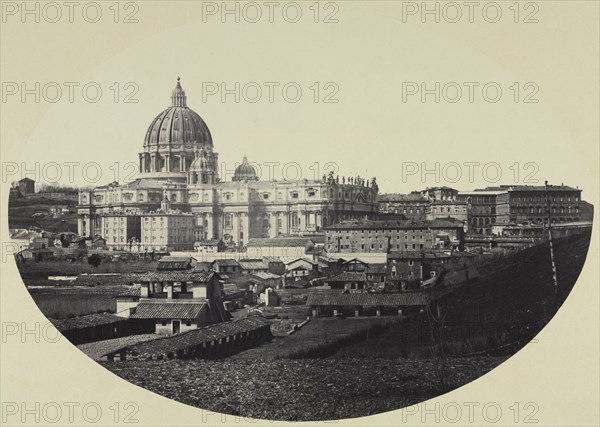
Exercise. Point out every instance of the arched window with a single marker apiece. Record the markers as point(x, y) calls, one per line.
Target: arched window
point(228, 220)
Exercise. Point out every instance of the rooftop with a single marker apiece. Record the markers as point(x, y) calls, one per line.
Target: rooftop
point(165, 309)
point(366, 299)
point(281, 242)
point(399, 224)
point(172, 344)
point(395, 197)
point(177, 276)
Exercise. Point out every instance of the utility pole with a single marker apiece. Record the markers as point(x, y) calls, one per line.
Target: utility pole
point(549, 210)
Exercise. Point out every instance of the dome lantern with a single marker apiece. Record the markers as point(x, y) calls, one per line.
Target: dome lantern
point(178, 96)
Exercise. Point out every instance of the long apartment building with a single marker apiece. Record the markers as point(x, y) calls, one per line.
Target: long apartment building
point(394, 235)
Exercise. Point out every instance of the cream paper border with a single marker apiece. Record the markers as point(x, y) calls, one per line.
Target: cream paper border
point(558, 373)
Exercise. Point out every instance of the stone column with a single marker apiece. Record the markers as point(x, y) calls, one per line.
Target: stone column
point(210, 235)
point(245, 226)
point(235, 222)
point(285, 222)
point(152, 162)
point(167, 163)
point(273, 224)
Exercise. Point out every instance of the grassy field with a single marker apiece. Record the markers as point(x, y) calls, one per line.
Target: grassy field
point(41, 270)
point(62, 306)
point(299, 390)
point(21, 210)
point(319, 337)
point(496, 314)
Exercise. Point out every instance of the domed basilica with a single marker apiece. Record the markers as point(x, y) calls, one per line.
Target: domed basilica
point(178, 197)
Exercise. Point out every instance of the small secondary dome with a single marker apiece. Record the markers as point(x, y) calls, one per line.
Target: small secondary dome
point(245, 172)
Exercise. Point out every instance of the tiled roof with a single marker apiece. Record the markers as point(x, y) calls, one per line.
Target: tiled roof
point(207, 243)
point(86, 321)
point(176, 258)
point(161, 309)
point(393, 197)
point(266, 275)
point(402, 255)
point(366, 299)
point(448, 202)
point(226, 262)
point(535, 188)
point(177, 276)
point(348, 276)
point(163, 346)
point(281, 242)
point(399, 224)
point(254, 265)
point(173, 265)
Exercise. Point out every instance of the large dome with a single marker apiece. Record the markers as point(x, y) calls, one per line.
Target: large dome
point(174, 141)
point(178, 125)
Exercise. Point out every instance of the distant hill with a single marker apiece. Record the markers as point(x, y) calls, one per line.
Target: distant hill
point(21, 211)
point(586, 210)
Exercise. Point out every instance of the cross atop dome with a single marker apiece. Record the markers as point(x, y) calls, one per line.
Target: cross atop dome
point(178, 98)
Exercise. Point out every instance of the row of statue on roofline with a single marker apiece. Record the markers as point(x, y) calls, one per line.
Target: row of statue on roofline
point(357, 180)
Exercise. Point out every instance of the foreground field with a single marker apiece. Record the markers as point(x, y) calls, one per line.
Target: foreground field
point(62, 306)
point(318, 338)
point(299, 390)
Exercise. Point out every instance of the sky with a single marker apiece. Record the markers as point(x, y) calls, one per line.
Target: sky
point(360, 111)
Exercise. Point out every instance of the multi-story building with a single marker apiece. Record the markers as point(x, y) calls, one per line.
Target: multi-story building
point(440, 193)
point(400, 235)
point(440, 209)
point(527, 204)
point(492, 207)
point(160, 230)
point(431, 203)
point(483, 209)
point(121, 230)
point(175, 301)
point(412, 205)
point(178, 163)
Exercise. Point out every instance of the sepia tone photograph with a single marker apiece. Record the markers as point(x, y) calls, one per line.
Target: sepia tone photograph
point(299, 211)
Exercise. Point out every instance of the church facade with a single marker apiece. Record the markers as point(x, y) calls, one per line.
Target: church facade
point(179, 179)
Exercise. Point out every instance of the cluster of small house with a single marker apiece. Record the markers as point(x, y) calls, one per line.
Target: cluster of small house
point(36, 244)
